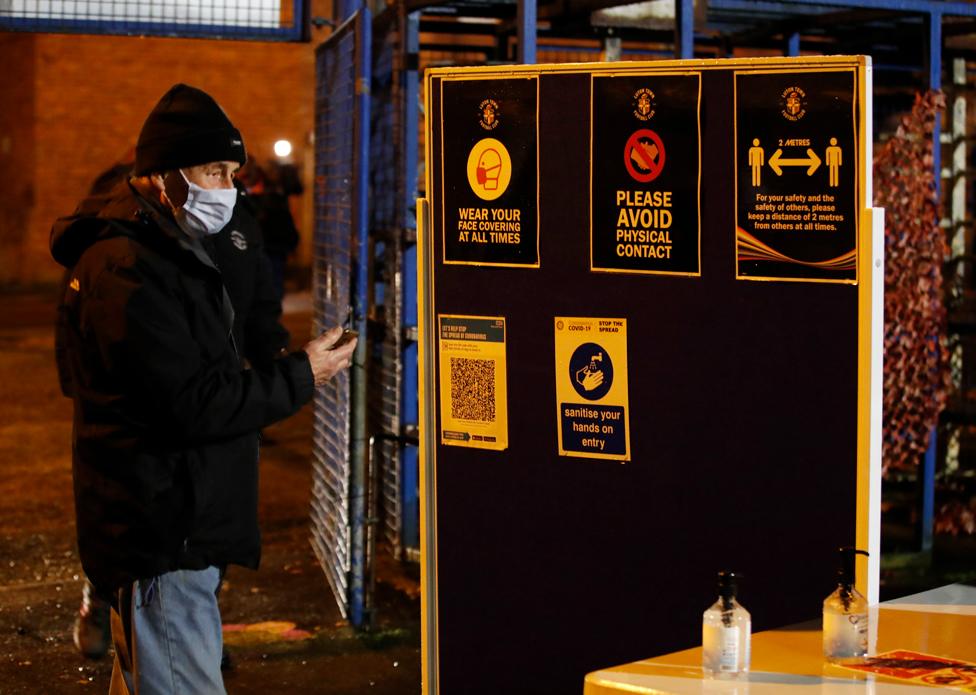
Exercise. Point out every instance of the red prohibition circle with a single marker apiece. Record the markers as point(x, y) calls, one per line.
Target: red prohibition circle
point(634, 144)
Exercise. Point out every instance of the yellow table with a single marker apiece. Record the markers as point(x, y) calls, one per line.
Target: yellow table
point(789, 660)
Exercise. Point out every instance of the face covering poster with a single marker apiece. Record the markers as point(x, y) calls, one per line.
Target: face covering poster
point(490, 213)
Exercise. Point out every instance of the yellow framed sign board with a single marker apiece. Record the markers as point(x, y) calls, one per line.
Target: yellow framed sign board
point(650, 322)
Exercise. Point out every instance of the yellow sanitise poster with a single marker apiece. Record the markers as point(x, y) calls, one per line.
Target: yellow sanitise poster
point(592, 403)
point(473, 378)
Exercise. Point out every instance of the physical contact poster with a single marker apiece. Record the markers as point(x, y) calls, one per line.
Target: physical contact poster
point(645, 171)
point(491, 183)
point(796, 175)
point(473, 377)
point(592, 399)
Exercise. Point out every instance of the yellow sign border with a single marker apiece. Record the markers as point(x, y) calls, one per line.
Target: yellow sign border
point(771, 63)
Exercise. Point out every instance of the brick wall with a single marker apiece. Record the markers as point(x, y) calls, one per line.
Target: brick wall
point(17, 191)
point(80, 101)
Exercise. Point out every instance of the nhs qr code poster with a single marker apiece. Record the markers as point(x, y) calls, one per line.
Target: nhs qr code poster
point(473, 375)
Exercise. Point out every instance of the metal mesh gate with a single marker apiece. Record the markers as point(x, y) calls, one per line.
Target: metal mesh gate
point(337, 483)
point(237, 19)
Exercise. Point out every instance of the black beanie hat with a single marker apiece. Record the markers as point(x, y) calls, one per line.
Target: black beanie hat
point(186, 128)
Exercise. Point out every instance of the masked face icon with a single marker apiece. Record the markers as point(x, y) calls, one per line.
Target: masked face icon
point(489, 168)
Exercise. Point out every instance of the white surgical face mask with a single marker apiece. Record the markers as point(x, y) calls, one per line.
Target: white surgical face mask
point(206, 210)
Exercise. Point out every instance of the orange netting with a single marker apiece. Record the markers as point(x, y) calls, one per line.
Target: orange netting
point(916, 367)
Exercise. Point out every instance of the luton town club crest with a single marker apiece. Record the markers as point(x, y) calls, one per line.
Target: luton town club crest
point(489, 114)
point(644, 104)
point(794, 103)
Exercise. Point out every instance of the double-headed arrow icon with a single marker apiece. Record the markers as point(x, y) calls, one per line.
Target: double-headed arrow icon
point(777, 162)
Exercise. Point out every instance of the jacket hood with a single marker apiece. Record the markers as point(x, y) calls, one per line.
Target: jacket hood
point(96, 217)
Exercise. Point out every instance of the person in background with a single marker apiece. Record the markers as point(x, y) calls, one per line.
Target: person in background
point(111, 177)
point(91, 633)
point(269, 188)
point(165, 436)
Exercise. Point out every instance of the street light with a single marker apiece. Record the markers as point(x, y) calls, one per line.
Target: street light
point(282, 148)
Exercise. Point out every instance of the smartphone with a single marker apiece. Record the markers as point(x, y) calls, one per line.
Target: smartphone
point(347, 335)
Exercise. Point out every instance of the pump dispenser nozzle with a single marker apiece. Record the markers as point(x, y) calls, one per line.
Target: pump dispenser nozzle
point(845, 571)
point(727, 585)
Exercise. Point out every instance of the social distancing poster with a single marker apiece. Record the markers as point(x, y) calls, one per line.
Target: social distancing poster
point(591, 388)
point(474, 398)
point(796, 175)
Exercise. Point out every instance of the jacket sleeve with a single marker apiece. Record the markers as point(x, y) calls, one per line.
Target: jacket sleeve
point(61, 329)
point(264, 336)
point(144, 339)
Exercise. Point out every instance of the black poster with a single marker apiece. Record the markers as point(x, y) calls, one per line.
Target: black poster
point(796, 176)
point(645, 171)
point(490, 172)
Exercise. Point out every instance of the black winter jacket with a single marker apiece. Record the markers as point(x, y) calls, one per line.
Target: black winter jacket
point(238, 251)
point(165, 430)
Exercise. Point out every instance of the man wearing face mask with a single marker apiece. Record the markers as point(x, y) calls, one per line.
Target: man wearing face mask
point(238, 252)
point(166, 418)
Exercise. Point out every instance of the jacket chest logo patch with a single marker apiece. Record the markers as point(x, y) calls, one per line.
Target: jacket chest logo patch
point(239, 241)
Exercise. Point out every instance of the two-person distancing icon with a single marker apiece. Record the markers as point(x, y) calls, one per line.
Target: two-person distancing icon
point(833, 156)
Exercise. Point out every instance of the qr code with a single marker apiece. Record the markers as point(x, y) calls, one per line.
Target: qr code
point(473, 389)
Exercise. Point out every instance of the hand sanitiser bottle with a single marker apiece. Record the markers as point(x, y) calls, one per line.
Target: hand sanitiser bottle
point(845, 615)
point(726, 633)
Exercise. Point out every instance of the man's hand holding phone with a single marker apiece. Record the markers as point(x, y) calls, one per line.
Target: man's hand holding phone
point(347, 335)
point(330, 353)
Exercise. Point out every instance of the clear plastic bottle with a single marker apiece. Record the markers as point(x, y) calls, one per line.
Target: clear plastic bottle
point(726, 633)
point(845, 615)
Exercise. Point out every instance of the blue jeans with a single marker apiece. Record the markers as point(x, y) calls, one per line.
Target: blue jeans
point(167, 636)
